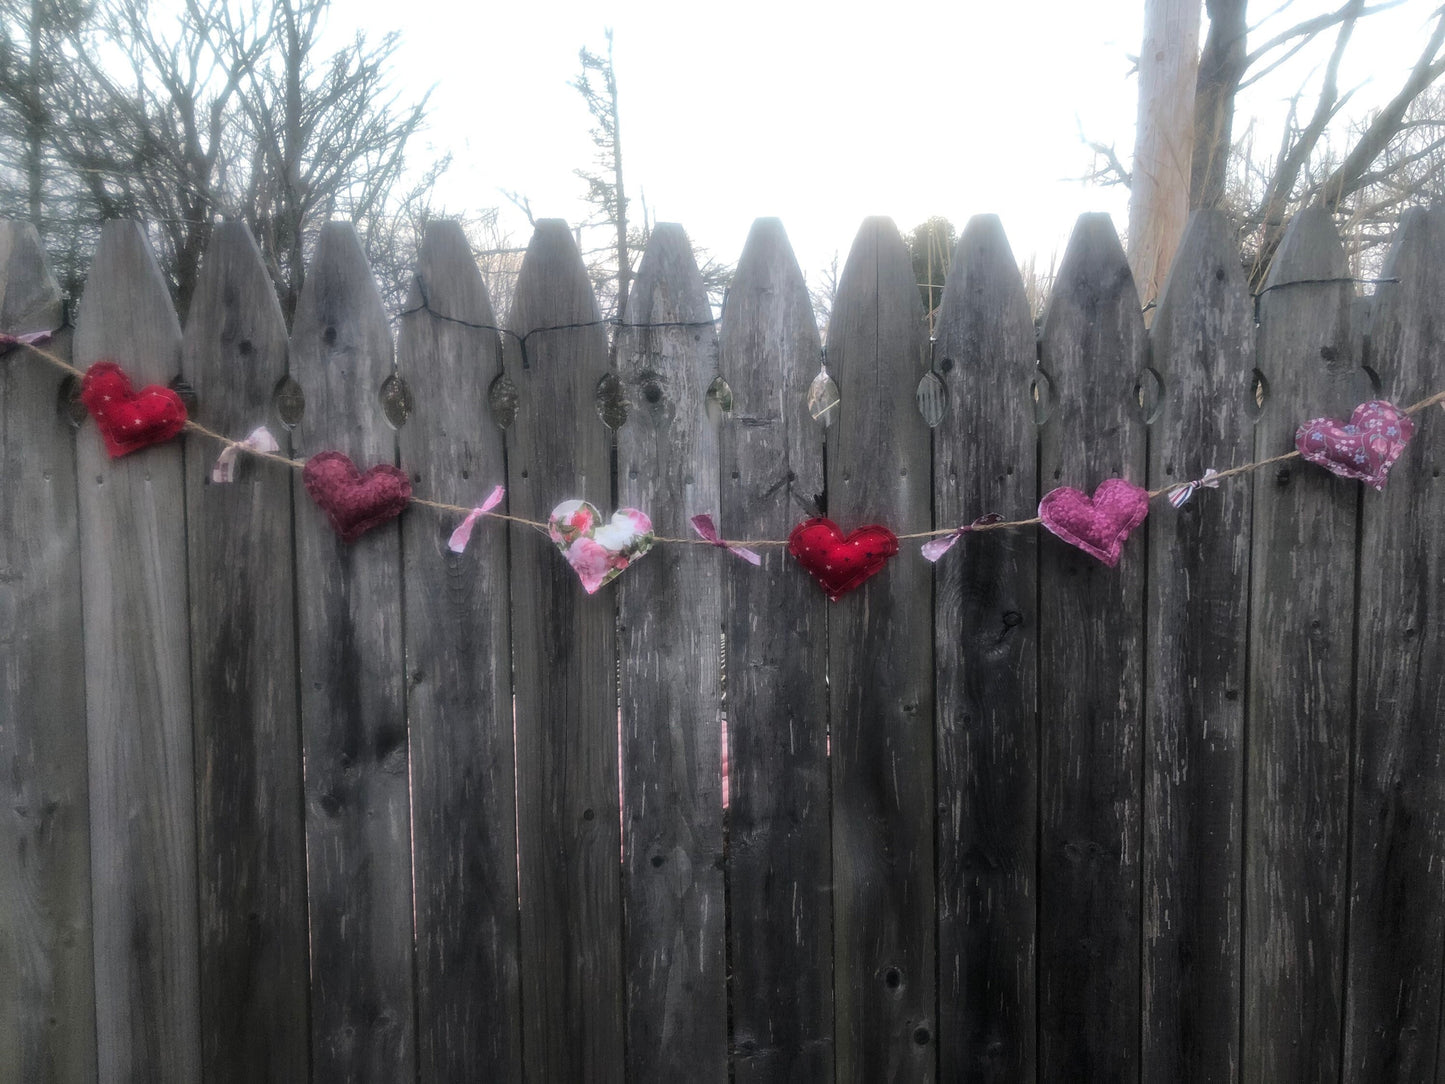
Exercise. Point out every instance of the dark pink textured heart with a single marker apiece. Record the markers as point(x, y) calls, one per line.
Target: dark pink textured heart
point(355, 502)
point(1365, 447)
point(1098, 525)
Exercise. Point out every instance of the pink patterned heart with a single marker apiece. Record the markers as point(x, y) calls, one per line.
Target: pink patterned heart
point(1365, 448)
point(1098, 525)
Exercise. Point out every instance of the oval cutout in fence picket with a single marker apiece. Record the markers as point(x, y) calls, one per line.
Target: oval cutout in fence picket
point(824, 399)
point(1041, 395)
point(612, 401)
point(1258, 395)
point(289, 401)
point(719, 399)
point(932, 399)
point(68, 404)
point(502, 401)
point(1149, 394)
point(1366, 383)
point(396, 400)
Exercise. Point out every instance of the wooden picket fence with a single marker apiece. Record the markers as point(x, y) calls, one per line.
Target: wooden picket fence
point(274, 808)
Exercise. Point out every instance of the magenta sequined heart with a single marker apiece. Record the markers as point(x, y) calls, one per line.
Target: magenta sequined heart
point(1098, 525)
point(1365, 448)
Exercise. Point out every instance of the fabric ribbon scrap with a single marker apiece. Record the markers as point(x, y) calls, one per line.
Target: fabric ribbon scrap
point(1180, 495)
point(9, 342)
point(935, 548)
point(703, 525)
point(260, 440)
point(463, 534)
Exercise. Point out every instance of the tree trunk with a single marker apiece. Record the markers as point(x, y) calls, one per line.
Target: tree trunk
point(1159, 194)
point(1221, 66)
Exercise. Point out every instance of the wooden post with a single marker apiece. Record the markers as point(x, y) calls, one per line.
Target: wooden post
point(1300, 659)
point(243, 657)
point(564, 670)
point(1203, 351)
point(459, 679)
point(1397, 899)
point(880, 659)
point(47, 1001)
point(358, 823)
point(986, 664)
point(669, 624)
point(1091, 676)
point(779, 859)
point(138, 691)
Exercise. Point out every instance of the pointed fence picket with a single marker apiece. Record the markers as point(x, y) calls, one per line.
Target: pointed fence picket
point(385, 811)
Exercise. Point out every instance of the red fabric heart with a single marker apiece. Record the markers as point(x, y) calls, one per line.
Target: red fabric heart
point(355, 502)
point(1365, 448)
point(1098, 525)
point(841, 563)
point(129, 420)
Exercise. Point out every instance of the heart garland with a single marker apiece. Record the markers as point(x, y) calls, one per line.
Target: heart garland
point(1098, 525)
point(129, 420)
point(1365, 447)
point(598, 552)
point(355, 502)
point(841, 562)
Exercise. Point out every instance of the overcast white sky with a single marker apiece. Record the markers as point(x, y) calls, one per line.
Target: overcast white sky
point(819, 113)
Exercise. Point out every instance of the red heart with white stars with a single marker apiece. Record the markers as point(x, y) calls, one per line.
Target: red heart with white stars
point(355, 502)
point(129, 420)
point(841, 562)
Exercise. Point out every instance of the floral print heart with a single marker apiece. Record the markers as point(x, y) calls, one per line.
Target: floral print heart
point(841, 562)
point(1365, 447)
point(129, 420)
point(597, 551)
point(1098, 525)
point(354, 502)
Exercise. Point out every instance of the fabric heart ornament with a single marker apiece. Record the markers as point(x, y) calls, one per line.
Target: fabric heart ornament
point(1098, 525)
point(598, 552)
point(355, 502)
point(1365, 447)
point(129, 420)
point(837, 561)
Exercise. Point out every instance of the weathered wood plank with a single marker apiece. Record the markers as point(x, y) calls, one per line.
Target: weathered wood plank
point(1397, 899)
point(986, 665)
point(459, 700)
point(779, 854)
point(564, 673)
point(879, 470)
point(1202, 347)
point(353, 715)
point(1300, 657)
point(47, 1003)
point(1091, 677)
point(243, 670)
point(669, 622)
point(138, 692)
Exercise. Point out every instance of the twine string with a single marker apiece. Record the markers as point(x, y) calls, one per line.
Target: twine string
point(441, 506)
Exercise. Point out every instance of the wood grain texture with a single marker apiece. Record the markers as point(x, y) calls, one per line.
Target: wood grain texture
point(779, 852)
point(564, 672)
point(879, 470)
point(138, 691)
point(1091, 677)
point(1300, 659)
point(353, 714)
point(243, 669)
point(1202, 347)
point(1397, 899)
point(459, 681)
point(669, 626)
point(47, 1003)
point(986, 665)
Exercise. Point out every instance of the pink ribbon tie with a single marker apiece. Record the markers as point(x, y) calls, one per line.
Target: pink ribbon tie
point(935, 548)
point(703, 525)
point(1180, 495)
point(260, 440)
point(463, 534)
point(9, 342)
